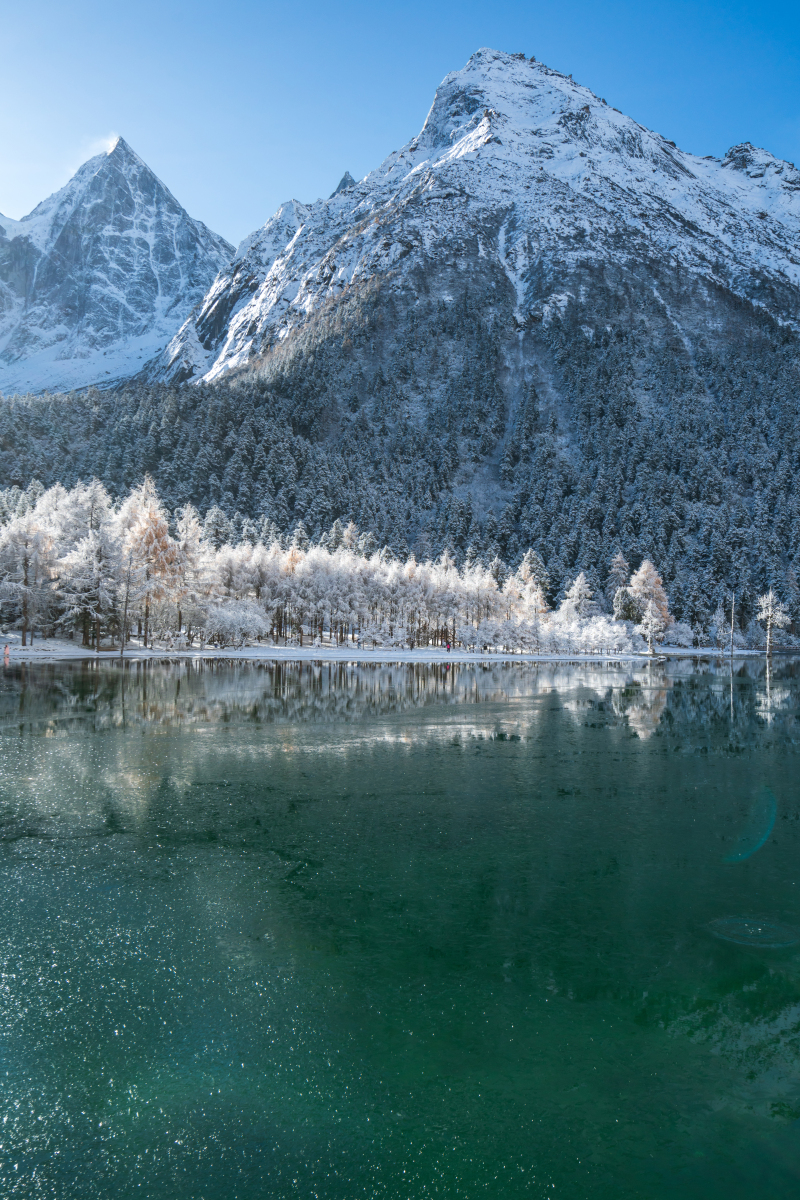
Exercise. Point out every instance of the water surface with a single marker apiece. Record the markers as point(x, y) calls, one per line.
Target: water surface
point(333, 931)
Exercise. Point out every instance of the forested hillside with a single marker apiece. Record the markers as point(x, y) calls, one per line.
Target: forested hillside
point(609, 427)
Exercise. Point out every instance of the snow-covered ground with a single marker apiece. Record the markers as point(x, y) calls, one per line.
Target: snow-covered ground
point(57, 370)
point(62, 649)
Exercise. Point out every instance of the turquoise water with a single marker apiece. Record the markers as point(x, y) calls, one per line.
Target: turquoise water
point(340, 931)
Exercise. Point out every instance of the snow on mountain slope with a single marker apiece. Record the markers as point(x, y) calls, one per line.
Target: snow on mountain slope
point(99, 276)
point(519, 164)
point(233, 289)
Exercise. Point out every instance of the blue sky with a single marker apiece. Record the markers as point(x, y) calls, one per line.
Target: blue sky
point(238, 107)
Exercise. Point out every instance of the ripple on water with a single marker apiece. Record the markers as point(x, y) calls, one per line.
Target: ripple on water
point(750, 931)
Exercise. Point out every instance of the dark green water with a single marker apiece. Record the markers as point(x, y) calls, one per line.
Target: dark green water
point(399, 932)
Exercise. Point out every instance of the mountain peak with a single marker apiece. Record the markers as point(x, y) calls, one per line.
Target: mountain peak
point(109, 260)
point(516, 164)
point(755, 162)
point(498, 86)
point(122, 150)
point(344, 183)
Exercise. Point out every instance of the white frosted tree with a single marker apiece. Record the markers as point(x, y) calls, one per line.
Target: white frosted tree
point(26, 565)
point(772, 614)
point(652, 624)
point(579, 602)
point(89, 579)
point(647, 587)
point(720, 626)
point(232, 622)
point(190, 566)
point(619, 575)
point(70, 516)
point(217, 528)
point(88, 536)
point(154, 551)
point(130, 589)
point(533, 571)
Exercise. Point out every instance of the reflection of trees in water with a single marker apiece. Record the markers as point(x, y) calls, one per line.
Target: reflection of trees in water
point(643, 701)
point(584, 878)
point(197, 692)
point(680, 698)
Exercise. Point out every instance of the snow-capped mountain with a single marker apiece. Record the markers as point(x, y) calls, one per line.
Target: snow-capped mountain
point(522, 174)
point(99, 276)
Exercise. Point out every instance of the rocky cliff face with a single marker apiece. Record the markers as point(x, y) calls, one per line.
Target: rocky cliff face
point(524, 179)
point(99, 276)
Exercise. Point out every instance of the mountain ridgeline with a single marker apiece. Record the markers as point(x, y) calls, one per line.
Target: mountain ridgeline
point(537, 324)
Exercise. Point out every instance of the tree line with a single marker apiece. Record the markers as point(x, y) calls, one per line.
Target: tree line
point(73, 562)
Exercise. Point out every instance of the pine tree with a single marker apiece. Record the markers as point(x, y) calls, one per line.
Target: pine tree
point(579, 599)
point(619, 576)
point(217, 528)
point(533, 570)
point(89, 579)
point(26, 564)
point(188, 559)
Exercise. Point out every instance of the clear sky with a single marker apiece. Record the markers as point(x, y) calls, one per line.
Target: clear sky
point(239, 106)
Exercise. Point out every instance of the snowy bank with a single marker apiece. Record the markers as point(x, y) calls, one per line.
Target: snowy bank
point(63, 650)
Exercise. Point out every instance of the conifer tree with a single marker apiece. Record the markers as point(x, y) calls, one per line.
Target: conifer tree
point(89, 579)
point(619, 575)
point(533, 570)
point(188, 559)
point(579, 599)
point(26, 563)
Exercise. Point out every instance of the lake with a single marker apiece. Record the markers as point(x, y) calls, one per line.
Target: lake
point(330, 930)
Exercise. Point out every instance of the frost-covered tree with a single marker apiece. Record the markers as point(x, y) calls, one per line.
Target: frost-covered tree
point(89, 580)
point(232, 622)
point(218, 528)
point(532, 570)
point(300, 538)
point(627, 606)
point(26, 563)
point(578, 600)
point(367, 544)
point(720, 626)
point(154, 550)
point(772, 614)
point(190, 563)
point(619, 576)
point(647, 587)
point(652, 624)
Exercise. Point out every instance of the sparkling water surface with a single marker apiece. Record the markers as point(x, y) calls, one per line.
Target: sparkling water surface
point(317, 930)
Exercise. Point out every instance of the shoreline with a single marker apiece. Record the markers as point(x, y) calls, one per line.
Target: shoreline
point(56, 650)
